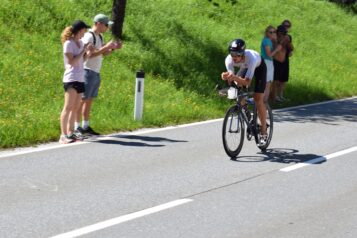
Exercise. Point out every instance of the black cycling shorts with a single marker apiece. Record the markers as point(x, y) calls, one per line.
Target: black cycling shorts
point(78, 86)
point(260, 75)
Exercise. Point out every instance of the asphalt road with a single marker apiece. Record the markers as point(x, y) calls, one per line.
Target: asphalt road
point(178, 182)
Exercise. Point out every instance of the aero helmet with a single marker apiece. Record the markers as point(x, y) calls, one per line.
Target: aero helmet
point(237, 47)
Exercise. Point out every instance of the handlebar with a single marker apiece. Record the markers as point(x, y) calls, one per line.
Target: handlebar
point(242, 91)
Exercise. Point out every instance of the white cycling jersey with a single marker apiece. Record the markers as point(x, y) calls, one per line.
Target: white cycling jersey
point(247, 68)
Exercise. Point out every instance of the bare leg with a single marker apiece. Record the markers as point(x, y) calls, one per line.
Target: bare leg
point(259, 102)
point(282, 88)
point(79, 112)
point(73, 114)
point(274, 90)
point(70, 98)
point(267, 92)
point(87, 105)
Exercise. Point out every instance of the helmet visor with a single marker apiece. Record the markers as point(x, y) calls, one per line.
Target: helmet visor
point(237, 53)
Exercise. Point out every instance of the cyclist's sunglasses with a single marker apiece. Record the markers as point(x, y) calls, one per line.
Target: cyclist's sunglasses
point(235, 54)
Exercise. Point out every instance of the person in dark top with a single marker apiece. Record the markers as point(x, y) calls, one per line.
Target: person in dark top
point(281, 64)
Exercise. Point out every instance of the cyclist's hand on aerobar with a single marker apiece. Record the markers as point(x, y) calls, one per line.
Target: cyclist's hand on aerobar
point(224, 75)
point(228, 76)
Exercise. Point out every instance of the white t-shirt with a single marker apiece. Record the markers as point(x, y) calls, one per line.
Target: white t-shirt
point(93, 63)
point(73, 73)
point(251, 61)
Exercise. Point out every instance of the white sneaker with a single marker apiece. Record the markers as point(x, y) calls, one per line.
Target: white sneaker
point(263, 139)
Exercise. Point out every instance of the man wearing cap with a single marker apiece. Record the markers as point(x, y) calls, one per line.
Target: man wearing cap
point(92, 68)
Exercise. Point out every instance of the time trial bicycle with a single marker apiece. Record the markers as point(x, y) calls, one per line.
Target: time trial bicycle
point(240, 116)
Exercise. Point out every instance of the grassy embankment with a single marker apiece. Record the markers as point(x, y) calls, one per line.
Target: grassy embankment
point(181, 45)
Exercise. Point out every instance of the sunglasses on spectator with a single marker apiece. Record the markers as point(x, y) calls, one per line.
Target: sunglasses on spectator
point(272, 32)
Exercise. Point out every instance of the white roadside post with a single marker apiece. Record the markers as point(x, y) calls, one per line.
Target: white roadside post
point(139, 95)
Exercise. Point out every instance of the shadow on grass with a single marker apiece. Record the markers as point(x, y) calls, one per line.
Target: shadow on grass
point(279, 155)
point(127, 140)
point(197, 71)
point(331, 113)
point(349, 6)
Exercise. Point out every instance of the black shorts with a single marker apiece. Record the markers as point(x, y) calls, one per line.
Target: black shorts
point(78, 86)
point(281, 71)
point(260, 75)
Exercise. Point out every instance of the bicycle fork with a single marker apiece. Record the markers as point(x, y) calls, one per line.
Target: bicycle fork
point(237, 130)
point(240, 116)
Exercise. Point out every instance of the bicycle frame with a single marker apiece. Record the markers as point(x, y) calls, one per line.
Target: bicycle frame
point(252, 127)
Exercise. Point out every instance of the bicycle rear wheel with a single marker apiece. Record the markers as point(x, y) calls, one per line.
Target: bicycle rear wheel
point(233, 132)
point(270, 127)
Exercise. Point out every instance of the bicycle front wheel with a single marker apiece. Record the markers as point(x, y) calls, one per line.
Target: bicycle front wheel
point(233, 132)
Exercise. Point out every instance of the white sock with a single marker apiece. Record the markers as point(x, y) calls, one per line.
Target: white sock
point(85, 124)
point(76, 125)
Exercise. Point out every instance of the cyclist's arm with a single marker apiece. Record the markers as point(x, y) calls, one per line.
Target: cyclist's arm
point(229, 64)
point(229, 76)
point(240, 80)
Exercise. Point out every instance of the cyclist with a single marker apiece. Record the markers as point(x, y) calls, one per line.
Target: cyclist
point(250, 65)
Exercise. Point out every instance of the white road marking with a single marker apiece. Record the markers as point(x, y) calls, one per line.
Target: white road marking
point(121, 219)
point(319, 159)
point(23, 151)
point(56, 145)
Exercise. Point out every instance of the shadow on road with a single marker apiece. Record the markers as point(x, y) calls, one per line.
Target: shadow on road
point(287, 156)
point(331, 113)
point(148, 138)
point(134, 140)
point(279, 155)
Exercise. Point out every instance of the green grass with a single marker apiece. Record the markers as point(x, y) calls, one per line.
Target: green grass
point(181, 45)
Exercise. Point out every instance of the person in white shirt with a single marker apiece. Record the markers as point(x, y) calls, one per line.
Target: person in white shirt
point(92, 68)
point(250, 65)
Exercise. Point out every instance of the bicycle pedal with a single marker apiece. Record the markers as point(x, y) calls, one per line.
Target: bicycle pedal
point(249, 135)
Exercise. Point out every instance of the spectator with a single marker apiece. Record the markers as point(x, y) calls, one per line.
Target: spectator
point(74, 54)
point(92, 68)
point(281, 70)
point(289, 52)
point(267, 54)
